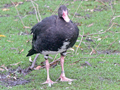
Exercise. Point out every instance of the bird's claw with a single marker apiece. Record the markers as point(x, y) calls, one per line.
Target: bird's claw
point(49, 82)
point(65, 79)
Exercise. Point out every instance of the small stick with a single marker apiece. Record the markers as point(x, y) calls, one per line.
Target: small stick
point(55, 57)
point(112, 43)
point(35, 10)
point(104, 31)
point(18, 13)
point(38, 12)
point(52, 62)
point(57, 7)
point(79, 43)
point(34, 61)
point(77, 9)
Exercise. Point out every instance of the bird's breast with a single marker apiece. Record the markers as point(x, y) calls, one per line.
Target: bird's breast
point(60, 50)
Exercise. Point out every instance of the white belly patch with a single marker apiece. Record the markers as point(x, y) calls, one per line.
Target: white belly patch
point(60, 50)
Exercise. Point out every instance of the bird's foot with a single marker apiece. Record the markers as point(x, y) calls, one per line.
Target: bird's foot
point(49, 82)
point(65, 79)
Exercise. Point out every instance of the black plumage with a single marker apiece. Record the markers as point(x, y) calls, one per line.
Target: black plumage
point(50, 33)
point(54, 34)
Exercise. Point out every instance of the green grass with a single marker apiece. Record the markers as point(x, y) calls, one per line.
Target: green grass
point(99, 76)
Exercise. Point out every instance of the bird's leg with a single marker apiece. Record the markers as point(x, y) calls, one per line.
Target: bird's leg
point(48, 81)
point(62, 76)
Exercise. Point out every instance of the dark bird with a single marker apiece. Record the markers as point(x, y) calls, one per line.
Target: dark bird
point(54, 34)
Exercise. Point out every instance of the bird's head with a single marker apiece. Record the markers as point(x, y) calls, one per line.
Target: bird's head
point(63, 12)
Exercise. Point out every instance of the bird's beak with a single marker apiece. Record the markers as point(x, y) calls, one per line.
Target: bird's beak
point(65, 16)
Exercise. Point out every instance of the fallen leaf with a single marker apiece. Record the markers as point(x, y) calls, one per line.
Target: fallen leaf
point(3, 66)
point(1, 69)
point(5, 9)
point(98, 39)
point(21, 50)
point(38, 67)
point(15, 64)
point(92, 10)
point(72, 49)
point(2, 36)
point(90, 25)
point(16, 4)
point(9, 41)
point(92, 52)
point(78, 46)
point(88, 63)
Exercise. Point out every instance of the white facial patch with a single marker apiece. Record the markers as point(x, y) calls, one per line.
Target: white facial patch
point(60, 50)
point(65, 16)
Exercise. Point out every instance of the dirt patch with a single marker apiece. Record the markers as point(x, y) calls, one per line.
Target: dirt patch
point(13, 77)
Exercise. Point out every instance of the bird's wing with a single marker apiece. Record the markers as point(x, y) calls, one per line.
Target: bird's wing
point(44, 25)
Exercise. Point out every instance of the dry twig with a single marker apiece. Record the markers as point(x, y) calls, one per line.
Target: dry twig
point(18, 13)
point(112, 43)
point(113, 19)
point(79, 43)
point(38, 11)
point(57, 7)
point(104, 31)
point(77, 9)
point(35, 11)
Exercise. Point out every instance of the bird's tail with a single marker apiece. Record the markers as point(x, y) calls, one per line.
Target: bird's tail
point(31, 52)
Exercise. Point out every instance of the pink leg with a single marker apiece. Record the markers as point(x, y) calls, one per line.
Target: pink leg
point(62, 76)
point(48, 81)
